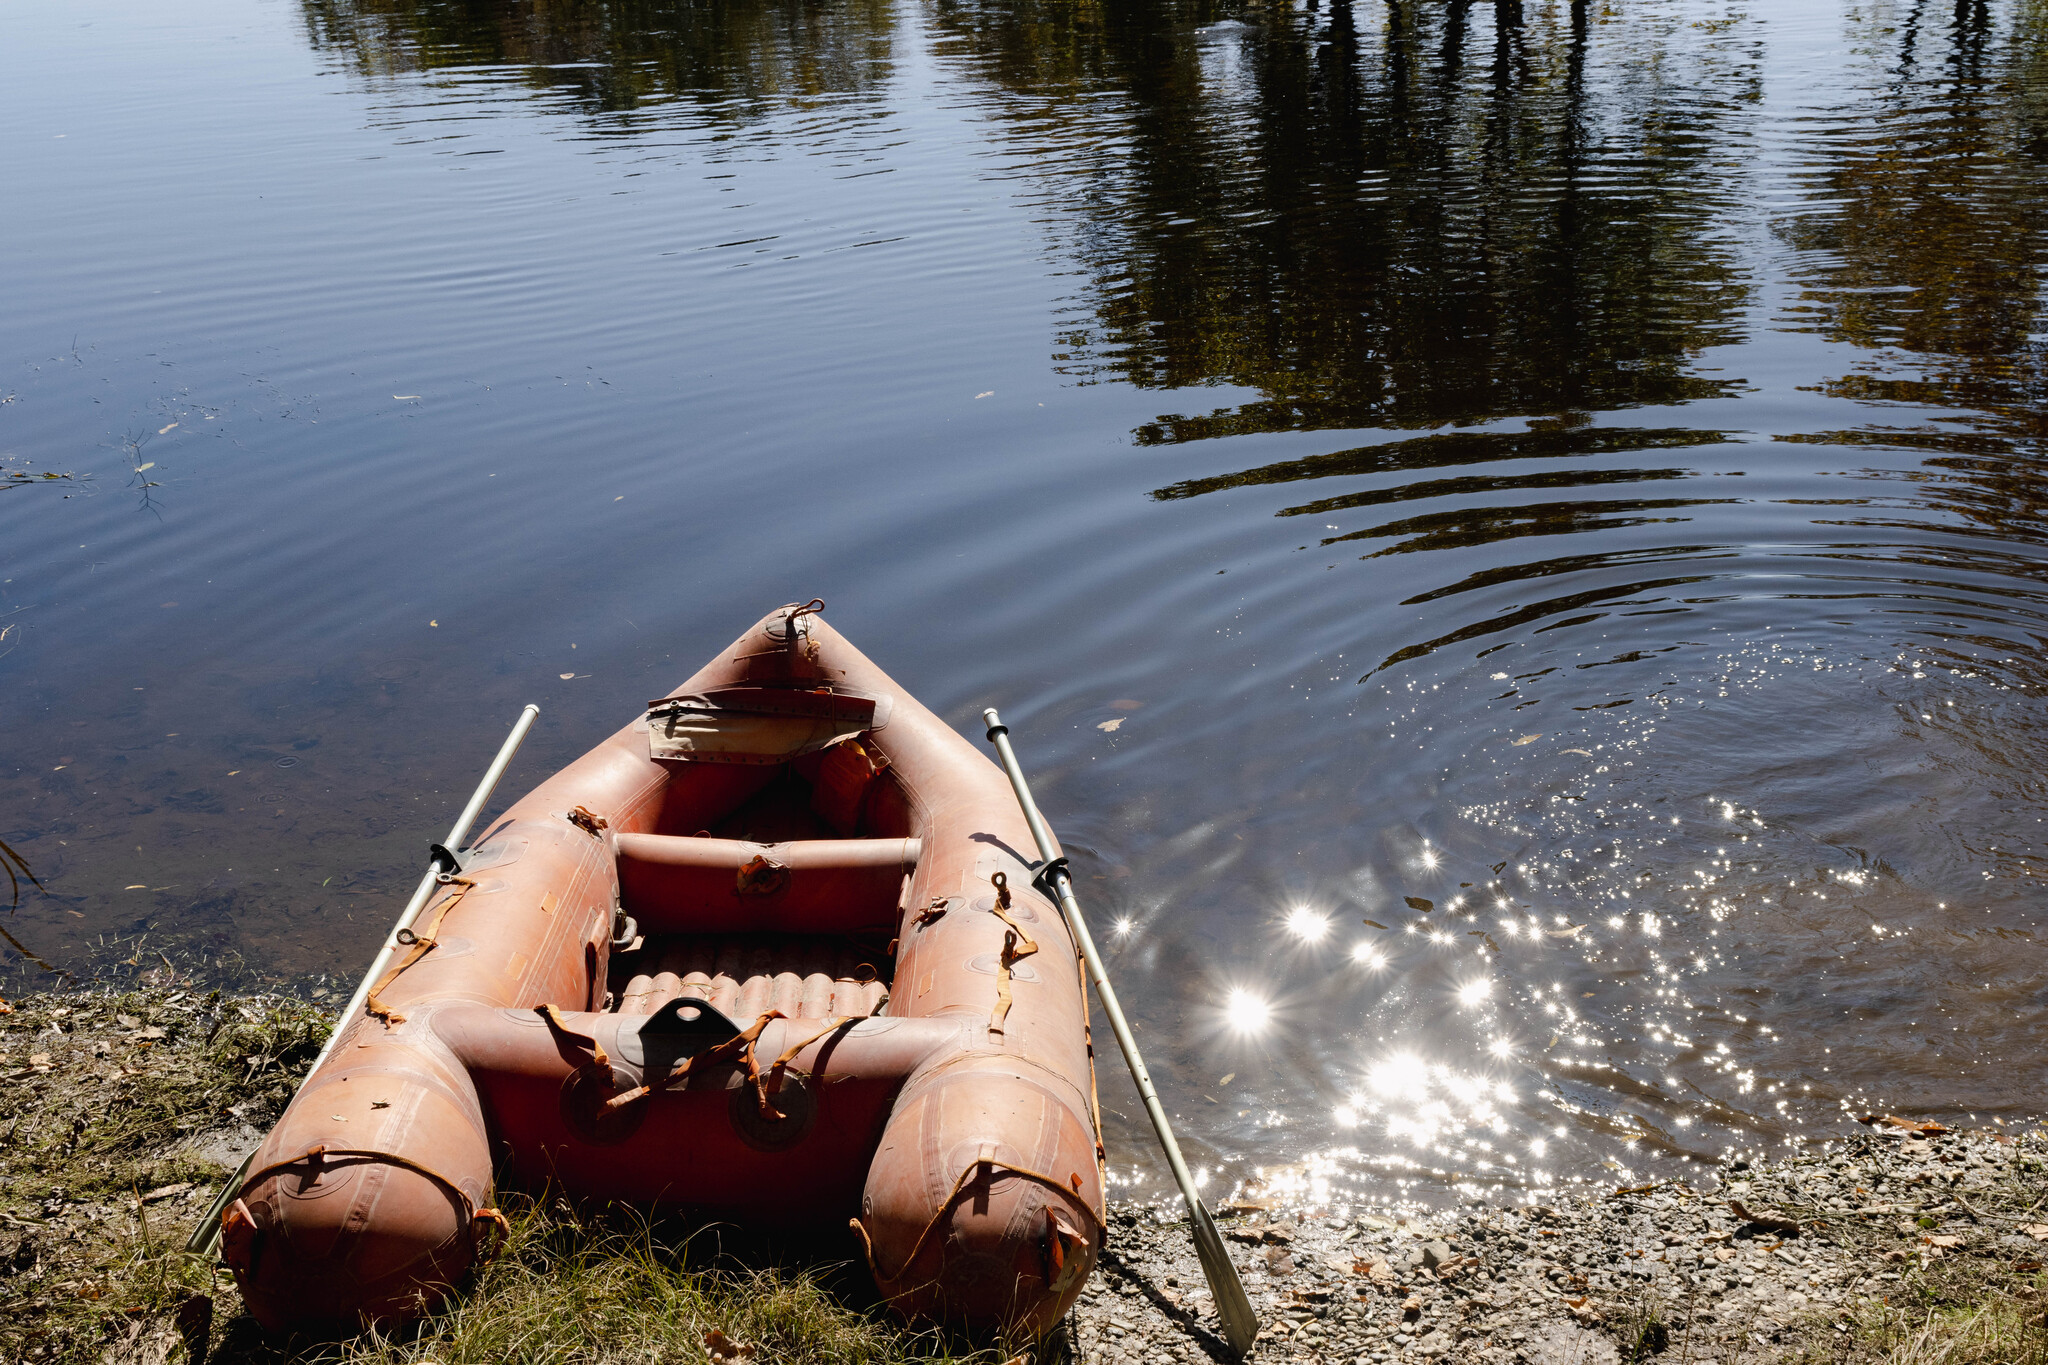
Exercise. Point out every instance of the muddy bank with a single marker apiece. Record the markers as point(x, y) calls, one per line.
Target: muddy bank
point(1838, 1252)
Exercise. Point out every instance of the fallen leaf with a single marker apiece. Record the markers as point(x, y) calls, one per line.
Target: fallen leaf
point(1125, 704)
point(166, 1192)
point(152, 464)
point(433, 623)
point(1529, 739)
point(1769, 1222)
point(1946, 1242)
point(1418, 903)
point(1907, 1125)
point(989, 393)
point(406, 397)
point(1109, 725)
point(2037, 1231)
point(565, 676)
point(724, 1350)
point(138, 886)
point(127, 1021)
point(1569, 931)
point(1587, 752)
point(41, 1059)
point(1228, 1079)
point(1373, 924)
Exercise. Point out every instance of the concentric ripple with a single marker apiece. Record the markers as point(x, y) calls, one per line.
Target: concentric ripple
point(1514, 548)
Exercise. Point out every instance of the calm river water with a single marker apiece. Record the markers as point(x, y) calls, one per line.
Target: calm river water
point(1515, 546)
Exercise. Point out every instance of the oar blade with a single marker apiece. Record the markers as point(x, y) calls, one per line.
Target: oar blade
point(1233, 1305)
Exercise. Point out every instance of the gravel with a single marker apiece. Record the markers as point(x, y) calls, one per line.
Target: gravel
point(1780, 1253)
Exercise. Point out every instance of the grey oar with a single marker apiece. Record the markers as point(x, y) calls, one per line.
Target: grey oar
point(207, 1231)
point(1240, 1323)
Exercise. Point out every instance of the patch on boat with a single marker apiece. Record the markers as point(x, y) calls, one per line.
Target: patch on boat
point(760, 725)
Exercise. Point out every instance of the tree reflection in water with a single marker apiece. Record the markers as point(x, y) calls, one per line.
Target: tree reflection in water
point(630, 58)
point(1923, 240)
point(1384, 217)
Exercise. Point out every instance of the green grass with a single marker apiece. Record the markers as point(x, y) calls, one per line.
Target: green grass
point(1958, 1311)
point(577, 1288)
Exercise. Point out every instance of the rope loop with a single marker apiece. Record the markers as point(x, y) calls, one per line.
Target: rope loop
point(421, 945)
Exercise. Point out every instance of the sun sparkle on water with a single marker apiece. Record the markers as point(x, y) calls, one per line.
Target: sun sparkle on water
point(1246, 1012)
point(1306, 925)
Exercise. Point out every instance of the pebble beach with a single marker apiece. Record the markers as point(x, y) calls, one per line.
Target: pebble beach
point(1777, 1255)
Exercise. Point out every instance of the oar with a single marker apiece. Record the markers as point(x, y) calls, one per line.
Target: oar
point(207, 1231)
point(1240, 1323)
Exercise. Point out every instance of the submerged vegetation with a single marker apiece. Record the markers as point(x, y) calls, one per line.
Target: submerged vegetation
point(128, 1108)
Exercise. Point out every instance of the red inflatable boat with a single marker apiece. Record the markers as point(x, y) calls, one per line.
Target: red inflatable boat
point(771, 952)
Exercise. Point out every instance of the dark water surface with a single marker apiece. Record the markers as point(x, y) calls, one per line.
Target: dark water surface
point(1516, 548)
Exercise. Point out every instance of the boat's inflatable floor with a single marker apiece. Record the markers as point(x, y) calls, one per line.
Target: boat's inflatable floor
point(743, 976)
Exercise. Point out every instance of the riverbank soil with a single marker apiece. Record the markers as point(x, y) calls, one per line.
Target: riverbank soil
point(125, 1109)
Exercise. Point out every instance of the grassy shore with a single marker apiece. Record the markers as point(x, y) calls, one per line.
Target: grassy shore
point(126, 1109)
